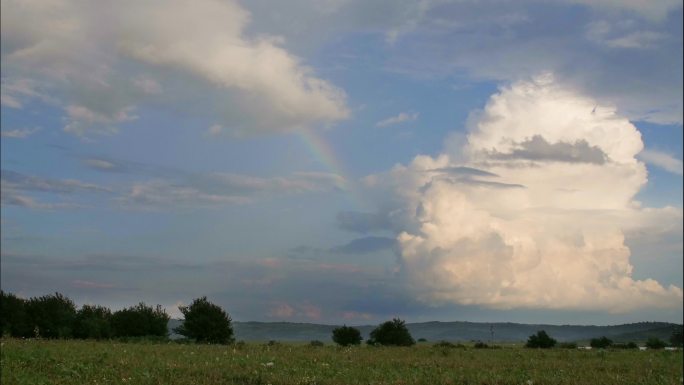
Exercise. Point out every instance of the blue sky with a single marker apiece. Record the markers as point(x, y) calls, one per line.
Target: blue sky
point(347, 161)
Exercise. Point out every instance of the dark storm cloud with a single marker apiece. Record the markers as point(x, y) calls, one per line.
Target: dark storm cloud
point(362, 222)
point(464, 171)
point(538, 149)
point(365, 245)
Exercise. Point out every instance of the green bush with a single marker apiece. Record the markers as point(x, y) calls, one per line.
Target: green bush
point(600, 343)
point(140, 321)
point(568, 345)
point(13, 318)
point(676, 338)
point(392, 333)
point(316, 343)
point(93, 322)
point(346, 335)
point(448, 345)
point(655, 343)
point(629, 345)
point(540, 340)
point(205, 322)
point(51, 316)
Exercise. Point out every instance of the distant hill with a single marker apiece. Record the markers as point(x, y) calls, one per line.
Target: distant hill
point(454, 331)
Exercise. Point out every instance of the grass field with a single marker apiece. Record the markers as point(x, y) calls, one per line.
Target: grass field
point(89, 362)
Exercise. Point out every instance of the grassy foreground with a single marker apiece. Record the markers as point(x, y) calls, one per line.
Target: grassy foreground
point(89, 362)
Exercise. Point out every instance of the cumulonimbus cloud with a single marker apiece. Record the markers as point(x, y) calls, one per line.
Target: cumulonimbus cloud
point(99, 62)
point(531, 229)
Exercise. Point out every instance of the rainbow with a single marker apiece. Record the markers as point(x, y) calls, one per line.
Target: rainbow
point(324, 153)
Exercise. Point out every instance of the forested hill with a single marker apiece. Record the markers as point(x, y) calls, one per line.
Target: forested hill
point(455, 331)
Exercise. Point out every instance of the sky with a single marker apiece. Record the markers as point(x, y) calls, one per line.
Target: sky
point(347, 161)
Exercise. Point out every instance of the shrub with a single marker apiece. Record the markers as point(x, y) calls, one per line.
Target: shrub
point(316, 343)
point(422, 339)
point(568, 345)
point(448, 345)
point(676, 338)
point(205, 322)
point(600, 343)
point(655, 343)
point(629, 345)
point(51, 316)
point(346, 335)
point(139, 321)
point(540, 340)
point(392, 332)
point(13, 318)
point(480, 345)
point(94, 322)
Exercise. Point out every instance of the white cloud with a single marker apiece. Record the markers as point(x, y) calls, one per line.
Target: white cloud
point(14, 91)
point(215, 130)
point(662, 160)
point(533, 231)
point(101, 164)
point(81, 120)
point(19, 133)
point(620, 36)
point(194, 56)
point(639, 39)
point(401, 118)
point(148, 86)
point(654, 10)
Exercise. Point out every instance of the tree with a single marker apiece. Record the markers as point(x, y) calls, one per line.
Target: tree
point(94, 322)
point(205, 322)
point(346, 335)
point(676, 338)
point(392, 332)
point(601, 343)
point(140, 321)
point(540, 340)
point(51, 316)
point(655, 343)
point(13, 318)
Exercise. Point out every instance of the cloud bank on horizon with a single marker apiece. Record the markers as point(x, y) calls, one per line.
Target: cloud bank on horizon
point(543, 224)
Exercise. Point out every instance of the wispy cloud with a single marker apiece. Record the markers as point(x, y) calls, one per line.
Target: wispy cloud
point(401, 118)
point(662, 160)
point(103, 165)
point(17, 190)
point(19, 133)
point(215, 189)
point(18, 181)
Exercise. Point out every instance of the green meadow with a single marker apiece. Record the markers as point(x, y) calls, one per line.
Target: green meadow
point(90, 362)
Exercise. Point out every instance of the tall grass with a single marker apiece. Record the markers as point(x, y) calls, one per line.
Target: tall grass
point(108, 362)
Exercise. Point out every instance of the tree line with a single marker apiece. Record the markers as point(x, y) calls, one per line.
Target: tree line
point(56, 316)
